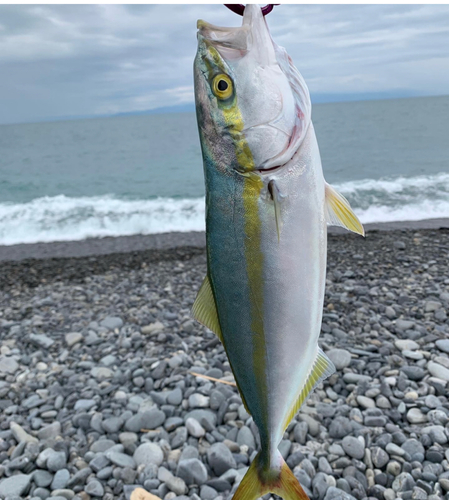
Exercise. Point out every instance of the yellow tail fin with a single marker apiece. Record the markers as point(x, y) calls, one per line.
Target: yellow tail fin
point(257, 482)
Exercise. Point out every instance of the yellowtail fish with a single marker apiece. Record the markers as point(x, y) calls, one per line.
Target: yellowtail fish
point(267, 210)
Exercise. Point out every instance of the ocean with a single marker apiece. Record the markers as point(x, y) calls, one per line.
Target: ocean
point(77, 179)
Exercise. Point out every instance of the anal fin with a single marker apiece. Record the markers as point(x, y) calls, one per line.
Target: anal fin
point(339, 212)
point(321, 369)
point(204, 309)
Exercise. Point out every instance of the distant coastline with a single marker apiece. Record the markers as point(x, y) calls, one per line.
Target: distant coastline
point(317, 99)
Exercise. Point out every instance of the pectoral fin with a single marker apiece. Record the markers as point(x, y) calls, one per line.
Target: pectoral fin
point(204, 309)
point(322, 368)
point(339, 212)
point(276, 197)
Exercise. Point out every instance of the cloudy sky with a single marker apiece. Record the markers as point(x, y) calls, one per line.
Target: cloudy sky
point(75, 60)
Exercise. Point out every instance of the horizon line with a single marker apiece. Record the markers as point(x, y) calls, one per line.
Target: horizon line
point(317, 100)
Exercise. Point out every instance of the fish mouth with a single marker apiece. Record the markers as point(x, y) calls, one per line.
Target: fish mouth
point(262, 171)
point(235, 42)
point(270, 170)
point(226, 39)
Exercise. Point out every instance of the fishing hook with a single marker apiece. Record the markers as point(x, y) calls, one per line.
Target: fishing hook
point(239, 8)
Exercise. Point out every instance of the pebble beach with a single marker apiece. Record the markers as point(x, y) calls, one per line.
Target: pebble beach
point(109, 389)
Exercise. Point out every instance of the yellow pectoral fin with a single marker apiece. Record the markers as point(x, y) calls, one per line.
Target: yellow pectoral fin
point(204, 309)
point(339, 212)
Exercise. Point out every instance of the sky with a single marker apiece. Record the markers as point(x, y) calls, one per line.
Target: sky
point(59, 61)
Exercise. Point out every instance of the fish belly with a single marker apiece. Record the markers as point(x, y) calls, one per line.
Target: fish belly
point(294, 281)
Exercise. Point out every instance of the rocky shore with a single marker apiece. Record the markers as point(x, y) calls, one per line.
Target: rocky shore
point(108, 385)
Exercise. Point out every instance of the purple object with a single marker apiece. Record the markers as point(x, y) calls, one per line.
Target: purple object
point(239, 8)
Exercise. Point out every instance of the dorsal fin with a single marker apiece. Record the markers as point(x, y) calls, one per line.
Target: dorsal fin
point(204, 309)
point(322, 368)
point(339, 212)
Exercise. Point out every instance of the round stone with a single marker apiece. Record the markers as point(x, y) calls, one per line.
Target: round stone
point(340, 357)
point(353, 447)
point(394, 468)
point(379, 457)
point(365, 402)
point(94, 488)
point(192, 471)
point(220, 458)
point(443, 345)
point(147, 454)
point(415, 416)
point(194, 428)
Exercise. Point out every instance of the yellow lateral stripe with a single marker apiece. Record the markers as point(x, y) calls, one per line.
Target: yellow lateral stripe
point(254, 264)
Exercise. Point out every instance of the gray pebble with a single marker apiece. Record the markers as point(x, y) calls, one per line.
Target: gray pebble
point(220, 458)
point(111, 322)
point(120, 459)
point(336, 494)
point(148, 453)
point(16, 485)
point(94, 488)
point(56, 461)
point(60, 479)
point(245, 437)
point(208, 493)
point(194, 428)
point(175, 484)
point(340, 357)
point(192, 471)
point(42, 478)
point(353, 447)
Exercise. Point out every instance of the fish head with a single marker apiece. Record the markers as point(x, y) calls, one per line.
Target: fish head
point(253, 106)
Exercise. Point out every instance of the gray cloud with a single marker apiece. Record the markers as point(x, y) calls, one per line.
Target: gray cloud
point(62, 60)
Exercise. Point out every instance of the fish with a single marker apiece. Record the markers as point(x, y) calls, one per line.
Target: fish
point(267, 211)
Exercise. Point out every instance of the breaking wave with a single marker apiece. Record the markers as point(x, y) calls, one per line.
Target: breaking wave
point(399, 199)
point(62, 218)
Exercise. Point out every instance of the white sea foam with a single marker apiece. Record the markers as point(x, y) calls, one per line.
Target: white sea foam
point(426, 209)
point(399, 199)
point(394, 185)
point(61, 218)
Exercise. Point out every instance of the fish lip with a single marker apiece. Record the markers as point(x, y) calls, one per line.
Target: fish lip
point(271, 169)
point(263, 171)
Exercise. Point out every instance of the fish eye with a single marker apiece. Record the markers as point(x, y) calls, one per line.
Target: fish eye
point(222, 86)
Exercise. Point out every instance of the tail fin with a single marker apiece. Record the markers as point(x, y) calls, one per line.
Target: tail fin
point(258, 481)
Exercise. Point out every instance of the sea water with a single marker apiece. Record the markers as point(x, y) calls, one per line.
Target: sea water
point(71, 180)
